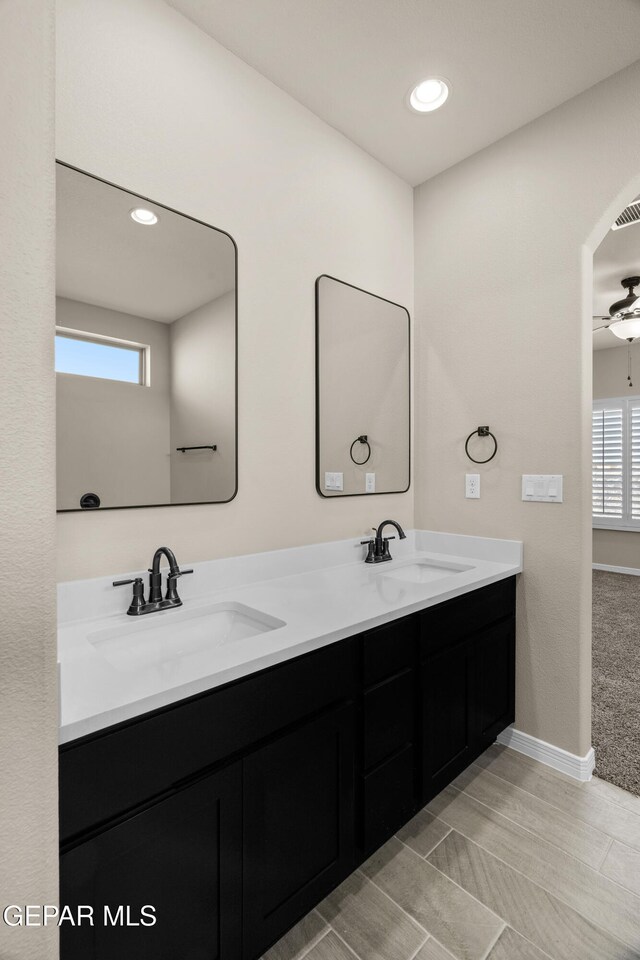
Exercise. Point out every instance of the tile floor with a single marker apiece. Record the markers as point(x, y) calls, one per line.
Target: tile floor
point(513, 861)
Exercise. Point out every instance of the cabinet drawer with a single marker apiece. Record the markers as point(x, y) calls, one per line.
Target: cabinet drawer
point(389, 798)
point(389, 718)
point(388, 650)
point(104, 776)
point(447, 623)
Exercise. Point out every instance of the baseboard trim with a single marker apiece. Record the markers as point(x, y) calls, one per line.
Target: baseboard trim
point(580, 768)
point(632, 571)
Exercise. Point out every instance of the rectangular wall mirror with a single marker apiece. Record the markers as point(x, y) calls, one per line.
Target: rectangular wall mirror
point(362, 392)
point(146, 351)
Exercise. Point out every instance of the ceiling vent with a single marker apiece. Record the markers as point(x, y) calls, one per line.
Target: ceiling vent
point(629, 215)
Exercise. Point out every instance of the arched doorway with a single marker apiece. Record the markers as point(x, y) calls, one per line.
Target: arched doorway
point(615, 499)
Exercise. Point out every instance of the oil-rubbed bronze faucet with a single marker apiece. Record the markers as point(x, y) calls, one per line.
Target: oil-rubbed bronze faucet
point(138, 607)
point(378, 546)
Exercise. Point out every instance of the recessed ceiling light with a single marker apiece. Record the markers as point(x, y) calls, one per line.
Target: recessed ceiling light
point(429, 94)
point(144, 216)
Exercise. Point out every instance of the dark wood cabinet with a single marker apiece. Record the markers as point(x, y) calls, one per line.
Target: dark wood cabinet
point(388, 778)
point(234, 812)
point(181, 857)
point(467, 653)
point(447, 710)
point(298, 824)
point(388, 798)
point(494, 672)
point(389, 718)
point(116, 770)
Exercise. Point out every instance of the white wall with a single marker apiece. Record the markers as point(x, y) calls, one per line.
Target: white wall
point(617, 548)
point(203, 397)
point(225, 145)
point(113, 438)
point(610, 369)
point(28, 695)
point(503, 321)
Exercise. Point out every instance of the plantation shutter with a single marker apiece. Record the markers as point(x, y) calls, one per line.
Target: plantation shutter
point(607, 461)
point(634, 476)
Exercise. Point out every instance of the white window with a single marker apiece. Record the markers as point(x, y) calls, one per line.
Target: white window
point(615, 463)
point(90, 355)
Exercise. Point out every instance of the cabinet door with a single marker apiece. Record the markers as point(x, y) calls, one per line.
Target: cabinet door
point(494, 671)
point(181, 856)
point(298, 825)
point(447, 727)
point(388, 791)
point(388, 798)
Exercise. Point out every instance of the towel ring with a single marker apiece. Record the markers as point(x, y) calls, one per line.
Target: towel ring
point(482, 432)
point(362, 439)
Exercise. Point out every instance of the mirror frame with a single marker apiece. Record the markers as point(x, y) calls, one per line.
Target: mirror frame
point(378, 493)
point(164, 206)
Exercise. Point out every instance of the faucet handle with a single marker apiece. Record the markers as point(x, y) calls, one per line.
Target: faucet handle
point(371, 550)
point(385, 547)
point(137, 601)
point(172, 592)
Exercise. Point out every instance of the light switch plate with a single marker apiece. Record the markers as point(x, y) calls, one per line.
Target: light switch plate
point(542, 487)
point(333, 481)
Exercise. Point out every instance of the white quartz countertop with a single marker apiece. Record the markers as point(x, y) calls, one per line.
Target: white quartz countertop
point(320, 594)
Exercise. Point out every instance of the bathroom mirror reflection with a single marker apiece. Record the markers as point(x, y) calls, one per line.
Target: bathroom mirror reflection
point(146, 357)
point(362, 392)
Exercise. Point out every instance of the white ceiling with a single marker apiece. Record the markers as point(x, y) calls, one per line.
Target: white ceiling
point(160, 272)
point(618, 256)
point(353, 61)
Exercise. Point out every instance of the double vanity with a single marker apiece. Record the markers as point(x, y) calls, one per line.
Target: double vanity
point(234, 743)
point(225, 764)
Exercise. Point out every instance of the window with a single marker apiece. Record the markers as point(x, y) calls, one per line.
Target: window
point(615, 463)
point(89, 355)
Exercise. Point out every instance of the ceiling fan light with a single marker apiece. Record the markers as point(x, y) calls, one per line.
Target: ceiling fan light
point(627, 329)
point(620, 309)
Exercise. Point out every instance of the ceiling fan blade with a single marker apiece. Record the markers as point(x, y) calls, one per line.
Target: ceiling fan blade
point(603, 326)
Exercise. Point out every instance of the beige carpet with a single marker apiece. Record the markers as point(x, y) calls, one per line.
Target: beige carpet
point(616, 678)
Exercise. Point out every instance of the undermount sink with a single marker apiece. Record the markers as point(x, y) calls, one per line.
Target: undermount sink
point(164, 638)
point(425, 571)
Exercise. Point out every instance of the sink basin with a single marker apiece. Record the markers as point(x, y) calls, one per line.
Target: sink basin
point(425, 571)
point(175, 637)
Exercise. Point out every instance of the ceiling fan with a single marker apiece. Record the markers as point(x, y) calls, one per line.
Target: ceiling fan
point(624, 315)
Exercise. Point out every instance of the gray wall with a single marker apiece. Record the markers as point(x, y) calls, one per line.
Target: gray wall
point(28, 695)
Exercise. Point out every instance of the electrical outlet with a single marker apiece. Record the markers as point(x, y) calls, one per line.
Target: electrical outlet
point(472, 486)
point(370, 483)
